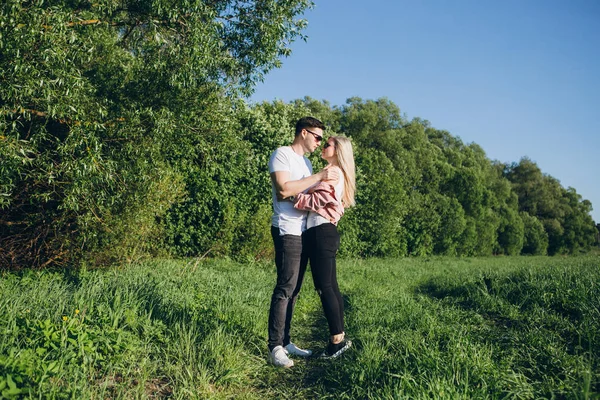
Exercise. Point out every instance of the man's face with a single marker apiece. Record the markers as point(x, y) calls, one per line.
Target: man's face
point(313, 138)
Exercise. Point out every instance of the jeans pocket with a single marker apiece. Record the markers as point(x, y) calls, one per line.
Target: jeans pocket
point(327, 238)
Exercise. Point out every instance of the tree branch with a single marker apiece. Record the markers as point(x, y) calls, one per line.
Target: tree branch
point(43, 114)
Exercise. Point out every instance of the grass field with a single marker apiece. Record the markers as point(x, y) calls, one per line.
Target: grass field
point(422, 328)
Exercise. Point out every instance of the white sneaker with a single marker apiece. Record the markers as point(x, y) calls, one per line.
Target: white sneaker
point(278, 357)
point(292, 349)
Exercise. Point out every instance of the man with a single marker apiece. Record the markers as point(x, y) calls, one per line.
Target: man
point(291, 173)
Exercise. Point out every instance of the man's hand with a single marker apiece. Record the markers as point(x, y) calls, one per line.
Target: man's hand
point(329, 174)
point(285, 188)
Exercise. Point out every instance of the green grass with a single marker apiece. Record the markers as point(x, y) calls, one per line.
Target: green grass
point(444, 328)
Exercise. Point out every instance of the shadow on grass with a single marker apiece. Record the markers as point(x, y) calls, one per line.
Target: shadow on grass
point(513, 296)
point(312, 377)
point(543, 321)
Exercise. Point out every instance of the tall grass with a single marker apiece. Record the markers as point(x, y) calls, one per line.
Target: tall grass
point(439, 328)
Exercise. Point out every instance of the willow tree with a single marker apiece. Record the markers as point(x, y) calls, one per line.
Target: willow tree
point(101, 104)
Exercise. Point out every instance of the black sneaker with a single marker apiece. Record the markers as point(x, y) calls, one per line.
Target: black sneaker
point(336, 350)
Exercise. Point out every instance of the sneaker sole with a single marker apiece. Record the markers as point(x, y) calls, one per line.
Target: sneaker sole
point(290, 365)
point(307, 353)
point(304, 355)
point(337, 353)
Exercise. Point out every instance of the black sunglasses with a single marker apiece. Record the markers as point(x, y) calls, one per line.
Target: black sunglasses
point(318, 137)
point(327, 145)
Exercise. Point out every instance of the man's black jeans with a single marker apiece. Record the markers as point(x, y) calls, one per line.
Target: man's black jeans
point(291, 261)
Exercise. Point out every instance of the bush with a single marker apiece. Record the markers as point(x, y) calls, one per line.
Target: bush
point(535, 241)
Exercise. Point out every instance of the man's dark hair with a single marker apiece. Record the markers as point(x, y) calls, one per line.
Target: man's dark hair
point(308, 122)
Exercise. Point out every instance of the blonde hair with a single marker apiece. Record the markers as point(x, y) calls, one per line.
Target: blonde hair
point(345, 158)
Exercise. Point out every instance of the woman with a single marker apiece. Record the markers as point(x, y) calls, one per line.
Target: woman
point(326, 202)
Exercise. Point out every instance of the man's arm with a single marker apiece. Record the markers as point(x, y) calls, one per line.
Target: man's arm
point(284, 187)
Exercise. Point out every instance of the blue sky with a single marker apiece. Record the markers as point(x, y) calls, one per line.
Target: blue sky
point(519, 78)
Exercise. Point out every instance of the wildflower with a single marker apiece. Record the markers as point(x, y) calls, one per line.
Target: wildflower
point(76, 311)
point(65, 318)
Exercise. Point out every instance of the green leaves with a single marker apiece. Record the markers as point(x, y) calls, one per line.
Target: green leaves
point(102, 106)
point(564, 224)
point(124, 133)
point(8, 386)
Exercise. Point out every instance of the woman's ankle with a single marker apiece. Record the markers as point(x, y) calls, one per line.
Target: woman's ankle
point(335, 339)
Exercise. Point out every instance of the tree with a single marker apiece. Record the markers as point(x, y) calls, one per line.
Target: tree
point(564, 215)
point(104, 105)
point(535, 241)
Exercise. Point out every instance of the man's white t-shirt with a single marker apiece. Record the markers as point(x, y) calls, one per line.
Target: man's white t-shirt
point(289, 220)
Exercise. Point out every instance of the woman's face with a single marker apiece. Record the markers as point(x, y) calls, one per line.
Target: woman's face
point(328, 152)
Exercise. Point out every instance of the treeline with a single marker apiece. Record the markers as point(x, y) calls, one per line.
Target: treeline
point(422, 191)
point(125, 133)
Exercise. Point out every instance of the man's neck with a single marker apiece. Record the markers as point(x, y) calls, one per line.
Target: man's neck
point(298, 148)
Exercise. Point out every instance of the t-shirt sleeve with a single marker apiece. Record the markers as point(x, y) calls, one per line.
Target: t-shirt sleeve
point(279, 162)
